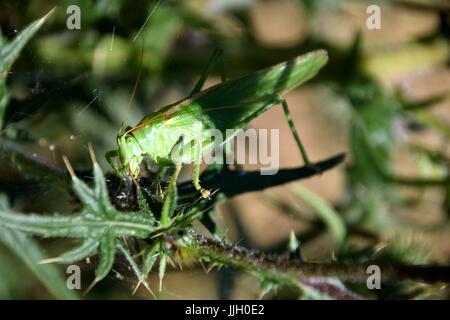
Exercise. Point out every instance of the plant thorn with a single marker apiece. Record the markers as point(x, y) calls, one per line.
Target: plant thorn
point(69, 167)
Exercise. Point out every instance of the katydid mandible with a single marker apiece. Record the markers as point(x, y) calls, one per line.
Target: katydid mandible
point(228, 105)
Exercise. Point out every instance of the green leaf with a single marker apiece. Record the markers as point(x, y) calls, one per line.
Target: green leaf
point(162, 268)
point(101, 191)
point(170, 200)
point(150, 257)
point(143, 203)
point(159, 34)
point(79, 226)
point(9, 52)
point(330, 217)
point(88, 247)
point(107, 252)
point(14, 276)
point(139, 275)
point(99, 225)
point(30, 253)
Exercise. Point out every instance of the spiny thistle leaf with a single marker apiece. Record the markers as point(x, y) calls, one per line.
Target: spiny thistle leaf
point(170, 202)
point(150, 257)
point(99, 224)
point(107, 252)
point(88, 247)
point(101, 191)
point(29, 251)
point(162, 268)
point(101, 227)
point(9, 52)
point(79, 226)
point(139, 275)
point(142, 202)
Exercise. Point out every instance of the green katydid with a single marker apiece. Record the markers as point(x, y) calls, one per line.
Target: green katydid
point(228, 105)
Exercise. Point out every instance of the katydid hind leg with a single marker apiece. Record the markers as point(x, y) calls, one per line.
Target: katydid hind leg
point(279, 100)
point(217, 54)
point(295, 134)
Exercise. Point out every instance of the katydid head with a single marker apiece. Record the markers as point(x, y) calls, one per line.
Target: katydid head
point(130, 153)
